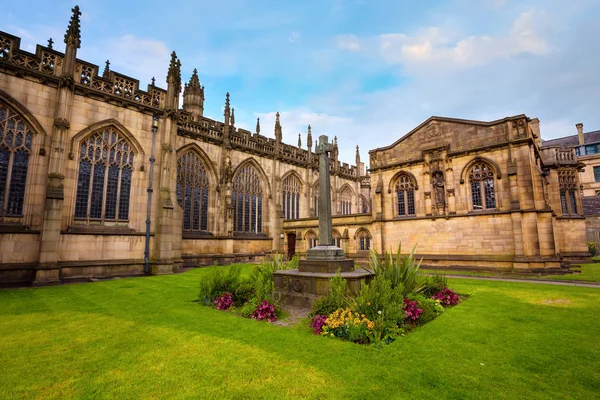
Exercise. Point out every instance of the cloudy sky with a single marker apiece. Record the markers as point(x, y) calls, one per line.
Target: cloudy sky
point(367, 71)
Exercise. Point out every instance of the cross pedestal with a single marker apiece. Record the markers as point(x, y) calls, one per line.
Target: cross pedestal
point(301, 287)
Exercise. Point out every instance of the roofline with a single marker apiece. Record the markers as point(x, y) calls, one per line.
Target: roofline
point(447, 119)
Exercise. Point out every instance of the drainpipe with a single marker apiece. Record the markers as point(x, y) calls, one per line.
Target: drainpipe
point(147, 248)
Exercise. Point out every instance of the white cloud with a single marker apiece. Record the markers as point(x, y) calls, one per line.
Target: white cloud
point(431, 48)
point(349, 42)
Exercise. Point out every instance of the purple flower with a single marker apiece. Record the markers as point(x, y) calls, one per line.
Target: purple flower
point(412, 310)
point(317, 323)
point(447, 297)
point(264, 311)
point(224, 301)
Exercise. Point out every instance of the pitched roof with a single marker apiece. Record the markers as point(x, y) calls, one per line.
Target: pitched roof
point(573, 140)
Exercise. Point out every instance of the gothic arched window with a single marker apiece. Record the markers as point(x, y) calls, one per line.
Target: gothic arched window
point(346, 201)
point(405, 196)
point(567, 184)
point(192, 191)
point(337, 238)
point(247, 200)
point(364, 240)
point(311, 240)
point(104, 179)
point(481, 179)
point(364, 204)
point(290, 197)
point(15, 148)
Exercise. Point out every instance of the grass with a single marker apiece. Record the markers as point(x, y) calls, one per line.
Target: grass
point(589, 273)
point(146, 338)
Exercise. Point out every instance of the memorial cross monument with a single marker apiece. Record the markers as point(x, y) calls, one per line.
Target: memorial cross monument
point(301, 287)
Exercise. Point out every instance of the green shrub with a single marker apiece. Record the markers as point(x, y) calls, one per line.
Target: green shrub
point(262, 276)
point(401, 271)
point(217, 281)
point(592, 248)
point(434, 284)
point(337, 297)
point(431, 308)
point(243, 292)
point(248, 309)
point(379, 301)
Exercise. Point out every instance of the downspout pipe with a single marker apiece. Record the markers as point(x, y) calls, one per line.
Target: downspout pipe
point(150, 190)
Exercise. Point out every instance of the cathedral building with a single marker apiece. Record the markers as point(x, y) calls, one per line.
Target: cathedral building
point(89, 160)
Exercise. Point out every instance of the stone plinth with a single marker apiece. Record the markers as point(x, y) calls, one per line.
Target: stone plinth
point(301, 288)
point(326, 259)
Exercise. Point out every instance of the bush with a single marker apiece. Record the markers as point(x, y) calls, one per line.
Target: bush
point(592, 248)
point(399, 271)
point(412, 310)
point(317, 323)
point(447, 297)
point(379, 298)
point(242, 293)
point(430, 309)
point(248, 309)
point(434, 284)
point(224, 301)
point(348, 325)
point(337, 297)
point(265, 311)
point(262, 276)
point(218, 281)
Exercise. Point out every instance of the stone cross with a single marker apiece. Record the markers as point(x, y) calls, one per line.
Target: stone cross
point(325, 225)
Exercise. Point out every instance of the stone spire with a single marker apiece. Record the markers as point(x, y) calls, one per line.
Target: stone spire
point(227, 122)
point(309, 142)
point(227, 110)
point(278, 131)
point(73, 34)
point(258, 125)
point(232, 116)
point(358, 168)
point(106, 69)
point(278, 135)
point(299, 140)
point(174, 74)
point(193, 96)
point(335, 153)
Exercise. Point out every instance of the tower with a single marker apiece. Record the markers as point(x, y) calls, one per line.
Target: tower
point(193, 96)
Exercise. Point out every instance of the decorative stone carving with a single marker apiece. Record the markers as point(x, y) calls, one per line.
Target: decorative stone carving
point(438, 186)
point(433, 130)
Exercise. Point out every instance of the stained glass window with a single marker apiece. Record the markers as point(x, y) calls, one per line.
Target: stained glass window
point(405, 195)
point(567, 183)
point(481, 180)
point(104, 177)
point(192, 191)
point(15, 150)
point(246, 197)
point(291, 187)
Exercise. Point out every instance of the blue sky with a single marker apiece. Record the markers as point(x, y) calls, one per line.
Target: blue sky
point(366, 71)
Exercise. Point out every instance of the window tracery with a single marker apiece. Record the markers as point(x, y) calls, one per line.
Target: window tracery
point(192, 191)
point(481, 180)
point(567, 184)
point(337, 238)
point(104, 178)
point(16, 137)
point(290, 201)
point(405, 196)
point(346, 201)
point(364, 240)
point(247, 200)
point(311, 240)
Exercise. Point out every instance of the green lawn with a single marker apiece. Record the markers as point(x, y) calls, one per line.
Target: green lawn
point(146, 338)
point(589, 273)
